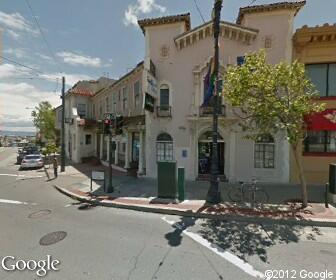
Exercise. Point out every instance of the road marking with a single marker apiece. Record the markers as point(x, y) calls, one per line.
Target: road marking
point(13, 175)
point(244, 266)
point(13, 202)
point(22, 176)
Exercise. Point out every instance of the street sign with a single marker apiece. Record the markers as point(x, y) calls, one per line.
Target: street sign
point(97, 176)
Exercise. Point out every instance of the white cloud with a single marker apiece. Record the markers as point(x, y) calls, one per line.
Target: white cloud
point(10, 71)
point(141, 7)
point(77, 59)
point(45, 57)
point(16, 22)
point(16, 98)
point(70, 79)
point(13, 34)
point(19, 53)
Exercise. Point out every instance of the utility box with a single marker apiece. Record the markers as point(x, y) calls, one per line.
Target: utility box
point(167, 183)
point(332, 178)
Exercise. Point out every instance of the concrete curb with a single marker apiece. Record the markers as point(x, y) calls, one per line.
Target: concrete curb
point(190, 213)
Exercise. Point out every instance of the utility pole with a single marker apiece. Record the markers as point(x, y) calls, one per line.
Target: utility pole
point(63, 127)
point(213, 195)
point(110, 186)
point(108, 120)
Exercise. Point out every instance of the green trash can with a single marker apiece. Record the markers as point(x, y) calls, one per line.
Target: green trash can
point(167, 183)
point(332, 178)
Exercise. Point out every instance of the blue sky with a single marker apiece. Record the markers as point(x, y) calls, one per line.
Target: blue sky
point(89, 39)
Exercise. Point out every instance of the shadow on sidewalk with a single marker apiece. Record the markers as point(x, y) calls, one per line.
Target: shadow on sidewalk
point(245, 240)
point(242, 239)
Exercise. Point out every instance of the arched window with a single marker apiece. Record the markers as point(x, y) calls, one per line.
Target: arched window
point(264, 152)
point(164, 147)
point(164, 97)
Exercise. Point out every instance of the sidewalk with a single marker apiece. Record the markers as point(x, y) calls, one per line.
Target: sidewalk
point(140, 194)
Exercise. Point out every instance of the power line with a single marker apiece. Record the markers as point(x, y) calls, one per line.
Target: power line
point(252, 2)
point(20, 64)
point(42, 35)
point(199, 11)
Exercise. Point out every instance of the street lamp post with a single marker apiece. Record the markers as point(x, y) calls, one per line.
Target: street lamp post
point(213, 195)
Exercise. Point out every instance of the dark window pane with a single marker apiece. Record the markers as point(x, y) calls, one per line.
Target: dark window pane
point(164, 97)
point(318, 75)
point(332, 80)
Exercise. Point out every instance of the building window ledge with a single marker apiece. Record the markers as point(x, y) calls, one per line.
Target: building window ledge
point(319, 154)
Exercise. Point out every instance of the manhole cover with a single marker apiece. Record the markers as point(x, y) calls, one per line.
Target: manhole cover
point(39, 214)
point(52, 238)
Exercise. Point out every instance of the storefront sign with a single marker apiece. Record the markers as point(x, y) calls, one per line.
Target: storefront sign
point(151, 84)
point(149, 102)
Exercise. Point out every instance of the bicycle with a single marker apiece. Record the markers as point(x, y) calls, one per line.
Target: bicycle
point(248, 192)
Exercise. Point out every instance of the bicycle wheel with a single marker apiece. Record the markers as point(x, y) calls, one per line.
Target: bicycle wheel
point(235, 195)
point(261, 197)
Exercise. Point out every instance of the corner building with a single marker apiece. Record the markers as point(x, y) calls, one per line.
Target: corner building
point(179, 128)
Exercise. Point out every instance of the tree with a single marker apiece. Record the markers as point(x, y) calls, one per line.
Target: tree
point(271, 98)
point(44, 120)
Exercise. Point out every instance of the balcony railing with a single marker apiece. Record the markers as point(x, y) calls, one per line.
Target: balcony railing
point(206, 111)
point(163, 111)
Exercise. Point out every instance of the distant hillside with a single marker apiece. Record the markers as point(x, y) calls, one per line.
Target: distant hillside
point(16, 133)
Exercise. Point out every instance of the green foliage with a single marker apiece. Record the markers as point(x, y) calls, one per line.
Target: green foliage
point(50, 148)
point(271, 98)
point(44, 119)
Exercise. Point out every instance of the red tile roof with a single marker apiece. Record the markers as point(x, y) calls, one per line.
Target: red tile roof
point(269, 7)
point(82, 92)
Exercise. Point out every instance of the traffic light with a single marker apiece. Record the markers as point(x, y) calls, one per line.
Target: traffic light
point(119, 123)
point(106, 127)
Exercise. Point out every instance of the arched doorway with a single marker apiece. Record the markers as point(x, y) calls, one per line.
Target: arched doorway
point(205, 151)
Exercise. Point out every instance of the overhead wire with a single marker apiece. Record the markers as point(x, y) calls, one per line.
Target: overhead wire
point(20, 64)
point(43, 35)
point(252, 2)
point(199, 11)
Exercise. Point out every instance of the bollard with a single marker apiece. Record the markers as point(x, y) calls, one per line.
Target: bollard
point(326, 202)
point(180, 183)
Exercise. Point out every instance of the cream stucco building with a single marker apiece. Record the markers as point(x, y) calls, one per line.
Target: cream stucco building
point(180, 128)
point(161, 100)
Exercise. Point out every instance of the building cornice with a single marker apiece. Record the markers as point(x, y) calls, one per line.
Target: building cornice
point(296, 6)
point(143, 23)
point(318, 34)
point(227, 30)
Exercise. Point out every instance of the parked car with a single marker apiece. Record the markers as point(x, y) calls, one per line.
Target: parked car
point(32, 161)
point(28, 150)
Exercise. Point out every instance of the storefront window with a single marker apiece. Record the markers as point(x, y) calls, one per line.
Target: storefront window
point(320, 142)
point(264, 152)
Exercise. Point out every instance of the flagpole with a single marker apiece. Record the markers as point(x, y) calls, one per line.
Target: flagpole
point(213, 195)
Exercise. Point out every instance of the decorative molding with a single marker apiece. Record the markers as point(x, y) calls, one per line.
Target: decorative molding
point(227, 30)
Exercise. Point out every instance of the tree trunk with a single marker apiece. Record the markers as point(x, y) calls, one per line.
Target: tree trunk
point(301, 176)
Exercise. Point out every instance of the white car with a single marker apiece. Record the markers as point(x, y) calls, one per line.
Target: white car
point(32, 161)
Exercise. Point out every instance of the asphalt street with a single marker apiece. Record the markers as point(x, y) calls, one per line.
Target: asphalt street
point(106, 243)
